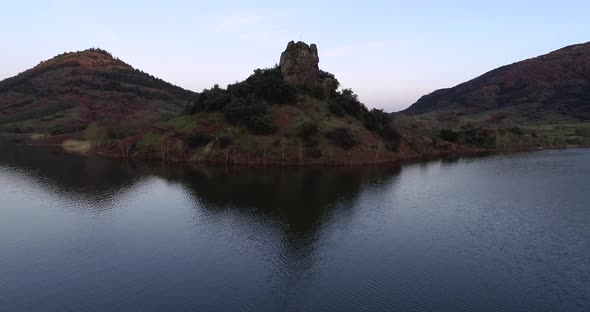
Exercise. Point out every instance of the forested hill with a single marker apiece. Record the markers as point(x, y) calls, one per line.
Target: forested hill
point(67, 93)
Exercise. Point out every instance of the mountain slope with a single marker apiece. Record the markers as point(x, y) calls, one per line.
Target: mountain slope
point(72, 90)
point(546, 88)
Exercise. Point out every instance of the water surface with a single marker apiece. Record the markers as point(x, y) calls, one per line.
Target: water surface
point(500, 233)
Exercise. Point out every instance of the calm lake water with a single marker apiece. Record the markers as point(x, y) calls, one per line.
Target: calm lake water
point(498, 233)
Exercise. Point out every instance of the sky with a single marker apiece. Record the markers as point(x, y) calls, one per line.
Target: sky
point(389, 52)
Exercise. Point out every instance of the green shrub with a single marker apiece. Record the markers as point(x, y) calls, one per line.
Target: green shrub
point(56, 131)
point(342, 137)
point(327, 75)
point(117, 133)
point(449, 135)
point(336, 109)
point(516, 130)
point(224, 140)
point(266, 84)
point(96, 134)
point(209, 100)
point(309, 133)
point(313, 152)
point(574, 140)
point(15, 129)
point(379, 122)
point(197, 140)
point(17, 140)
point(348, 101)
point(253, 114)
point(480, 137)
point(471, 135)
point(583, 132)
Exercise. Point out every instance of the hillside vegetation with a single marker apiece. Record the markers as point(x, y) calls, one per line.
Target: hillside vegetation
point(540, 102)
point(69, 92)
point(264, 120)
point(292, 113)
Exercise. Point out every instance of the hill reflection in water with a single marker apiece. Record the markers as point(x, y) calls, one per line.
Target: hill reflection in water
point(502, 233)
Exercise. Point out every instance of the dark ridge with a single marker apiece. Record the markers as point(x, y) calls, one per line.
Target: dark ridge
point(558, 82)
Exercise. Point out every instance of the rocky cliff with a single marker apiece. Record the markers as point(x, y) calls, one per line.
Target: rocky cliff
point(299, 65)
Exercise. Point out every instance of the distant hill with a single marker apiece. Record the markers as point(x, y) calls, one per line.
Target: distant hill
point(549, 88)
point(72, 90)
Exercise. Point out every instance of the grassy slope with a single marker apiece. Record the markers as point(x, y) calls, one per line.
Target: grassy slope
point(545, 97)
point(553, 131)
point(246, 147)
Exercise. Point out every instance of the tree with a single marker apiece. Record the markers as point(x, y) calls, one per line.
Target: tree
point(379, 122)
point(96, 134)
point(250, 113)
point(342, 137)
point(348, 101)
point(309, 132)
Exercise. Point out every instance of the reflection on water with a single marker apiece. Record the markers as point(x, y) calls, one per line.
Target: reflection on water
point(501, 233)
point(275, 193)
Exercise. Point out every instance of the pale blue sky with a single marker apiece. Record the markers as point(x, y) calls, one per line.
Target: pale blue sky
point(388, 52)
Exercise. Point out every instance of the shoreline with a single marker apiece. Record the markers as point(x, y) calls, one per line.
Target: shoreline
point(458, 151)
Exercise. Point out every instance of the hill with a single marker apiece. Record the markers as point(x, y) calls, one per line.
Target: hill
point(292, 113)
point(536, 103)
point(548, 88)
point(69, 92)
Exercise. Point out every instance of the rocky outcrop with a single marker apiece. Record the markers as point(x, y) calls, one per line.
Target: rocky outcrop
point(299, 65)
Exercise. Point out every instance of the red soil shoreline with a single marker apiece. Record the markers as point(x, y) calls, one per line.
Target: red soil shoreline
point(405, 155)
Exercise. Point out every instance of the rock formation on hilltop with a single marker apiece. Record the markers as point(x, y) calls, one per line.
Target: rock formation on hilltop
point(299, 65)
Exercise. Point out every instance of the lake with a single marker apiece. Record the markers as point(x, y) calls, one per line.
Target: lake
point(495, 233)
